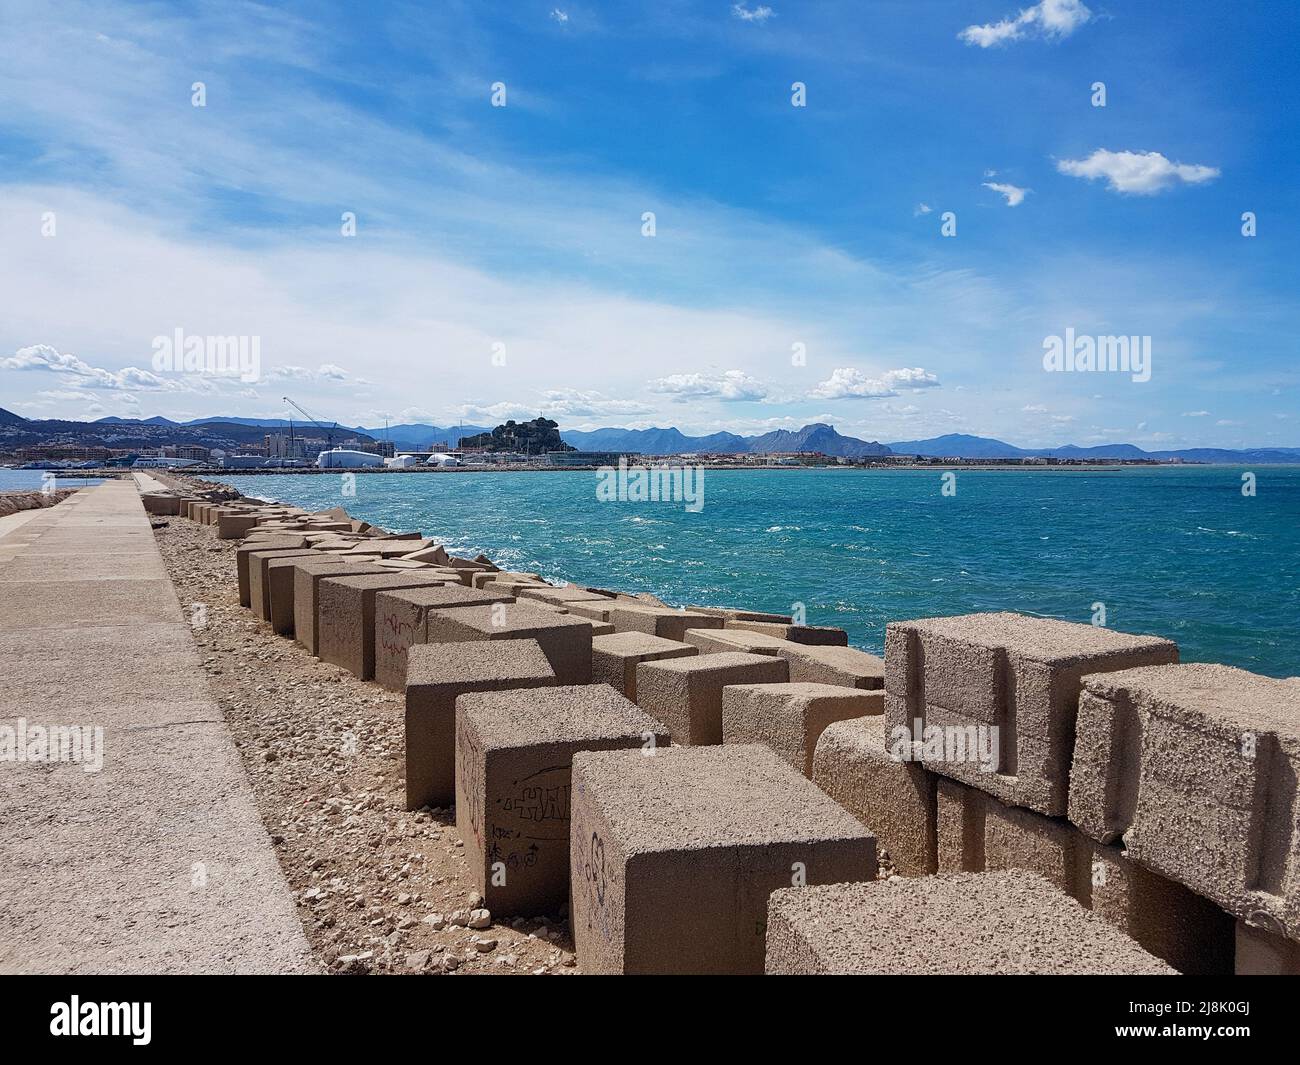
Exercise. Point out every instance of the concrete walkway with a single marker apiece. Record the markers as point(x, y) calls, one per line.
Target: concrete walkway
point(157, 863)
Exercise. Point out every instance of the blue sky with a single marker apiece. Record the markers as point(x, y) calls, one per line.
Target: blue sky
point(499, 267)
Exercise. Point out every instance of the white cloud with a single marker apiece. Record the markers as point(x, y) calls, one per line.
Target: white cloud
point(759, 14)
point(1141, 173)
point(47, 358)
point(1196, 414)
point(920, 209)
point(848, 382)
point(1015, 196)
point(1052, 19)
point(559, 16)
point(733, 385)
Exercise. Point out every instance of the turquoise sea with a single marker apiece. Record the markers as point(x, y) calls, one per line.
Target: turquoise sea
point(1179, 552)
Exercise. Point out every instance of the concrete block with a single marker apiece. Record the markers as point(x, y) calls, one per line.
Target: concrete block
point(844, 666)
point(1195, 766)
point(242, 552)
point(400, 622)
point(1013, 678)
point(673, 857)
point(481, 577)
point(790, 718)
point(435, 554)
point(978, 833)
point(560, 596)
point(438, 673)
point(711, 641)
point(741, 615)
point(686, 693)
point(812, 635)
point(1259, 952)
point(259, 601)
point(514, 754)
point(306, 600)
point(565, 641)
point(345, 617)
point(615, 656)
point(627, 616)
point(281, 579)
point(895, 800)
point(1012, 923)
point(231, 526)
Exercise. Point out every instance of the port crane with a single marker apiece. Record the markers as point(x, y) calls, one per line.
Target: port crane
point(329, 433)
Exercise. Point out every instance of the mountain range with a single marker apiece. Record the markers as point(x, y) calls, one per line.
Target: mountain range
point(231, 432)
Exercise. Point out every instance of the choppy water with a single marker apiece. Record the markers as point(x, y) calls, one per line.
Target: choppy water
point(1179, 552)
point(30, 480)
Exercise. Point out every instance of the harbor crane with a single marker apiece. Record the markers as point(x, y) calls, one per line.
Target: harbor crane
point(329, 433)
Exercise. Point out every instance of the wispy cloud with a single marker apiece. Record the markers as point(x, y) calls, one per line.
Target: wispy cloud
point(731, 385)
point(1051, 19)
point(1015, 196)
point(1139, 173)
point(848, 382)
point(759, 14)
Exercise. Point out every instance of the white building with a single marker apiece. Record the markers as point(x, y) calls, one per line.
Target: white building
point(343, 458)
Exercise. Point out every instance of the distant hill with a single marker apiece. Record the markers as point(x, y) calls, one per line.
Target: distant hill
point(816, 437)
point(961, 446)
point(8, 417)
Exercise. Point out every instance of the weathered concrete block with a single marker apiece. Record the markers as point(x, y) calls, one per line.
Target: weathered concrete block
point(400, 622)
point(686, 693)
point(560, 596)
point(1195, 766)
point(436, 555)
point(978, 833)
point(813, 635)
point(436, 674)
point(306, 586)
point(845, 666)
point(345, 617)
point(244, 550)
point(1263, 953)
point(614, 657)
point(895, 800)
point(673, 857)
point(565, 641)
point(259, 599)
point(1014, 679)
point(628, 616)
point(741, 615)
point(514, 754)
point(790, 718)
point(991, 923)
point(281, 579)
point(232, 526)
point(712, 641)
point(157, 503)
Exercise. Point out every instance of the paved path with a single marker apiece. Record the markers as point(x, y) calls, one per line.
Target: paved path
point(158, 862)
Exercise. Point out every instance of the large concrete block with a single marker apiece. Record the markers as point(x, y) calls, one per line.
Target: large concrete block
point(306, 586)
point(741, 615)
point(400, 622)
point(894, 799)
point(259, 599)
point(345, 617)
point(614, 657)
point(790, 718)
point(711, 641)
point(232, 525)
point(979, 833)
point(294, 543)
point(629, 616)
point(812, 635)
point(1262, 953)
point(673, 857)
point(686, 693)
point(436, 674)
point(993, 923)
point(570, 593)
point(281, 578)
point(514, 754)
point(1195, 767)
point(845, 666)
point(1015, 680)
point(565, 641)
